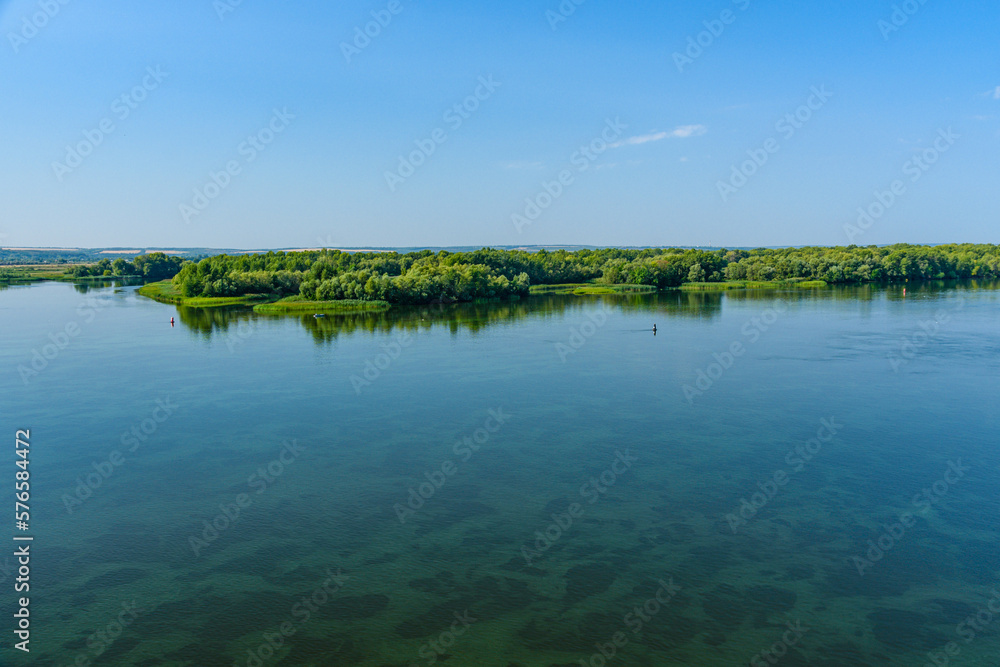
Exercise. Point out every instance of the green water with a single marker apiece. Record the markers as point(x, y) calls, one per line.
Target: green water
point(580, 389)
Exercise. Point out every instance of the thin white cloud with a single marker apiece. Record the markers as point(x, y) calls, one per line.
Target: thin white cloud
point(996, 93)
point(685, 131)
point(681, 132)
point(643, 139)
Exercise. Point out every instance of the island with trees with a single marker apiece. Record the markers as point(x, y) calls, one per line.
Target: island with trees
point(337, 280)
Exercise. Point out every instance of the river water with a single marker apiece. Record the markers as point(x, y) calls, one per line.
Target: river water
point(809, 476)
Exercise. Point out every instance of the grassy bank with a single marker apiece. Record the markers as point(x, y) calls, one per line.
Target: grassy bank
point(7, 276)
point(751, 284)
point(165, 292)
point(598, 288)
point(591, 288)
point(35, 272)
point(54, 272)
point(296, 304)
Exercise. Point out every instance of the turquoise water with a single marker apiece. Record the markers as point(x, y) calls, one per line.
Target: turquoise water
point(510, 482)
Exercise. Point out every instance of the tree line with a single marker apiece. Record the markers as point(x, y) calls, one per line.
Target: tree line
point(426, 276)
point(151, 268)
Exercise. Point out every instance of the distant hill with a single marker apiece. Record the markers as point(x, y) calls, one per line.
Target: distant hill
point(11, 256)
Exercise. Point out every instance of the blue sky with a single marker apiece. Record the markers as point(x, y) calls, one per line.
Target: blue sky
point(310, 130)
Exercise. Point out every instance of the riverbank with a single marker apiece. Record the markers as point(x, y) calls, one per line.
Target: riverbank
point(30, 273)
point(297, 304)
point(26, 274)
point(591, 288)
point(751, 284)
point(166, 292)
point(598, 288)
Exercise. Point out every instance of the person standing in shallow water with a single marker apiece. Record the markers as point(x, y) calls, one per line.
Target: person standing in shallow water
point(654, 329)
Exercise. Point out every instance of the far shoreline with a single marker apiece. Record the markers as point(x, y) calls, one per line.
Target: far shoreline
point(332, 281)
